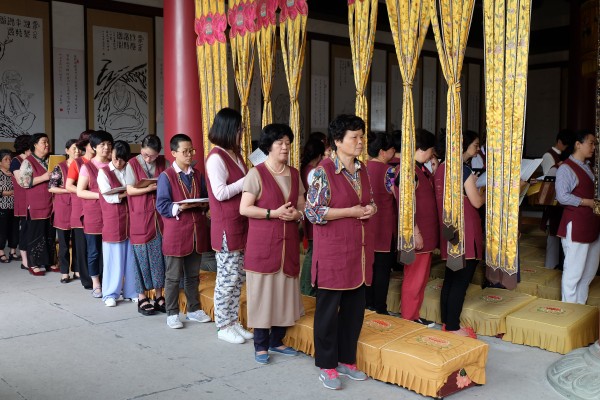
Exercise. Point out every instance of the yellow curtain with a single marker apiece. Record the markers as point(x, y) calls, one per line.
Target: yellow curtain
point(506, 29)
point(454, 20)
point(241, 16)
point(211, 52)
point(292, 31)
point(362, 24)
point(409, 21)
point(266, 44)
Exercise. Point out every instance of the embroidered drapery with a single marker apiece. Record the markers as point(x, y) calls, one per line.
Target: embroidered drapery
point(506, 31)
point(362, 24)
point(409, 21)
point(241, 17)
point(211, 52)
point(292, 31)
point(451, 22)
point(266, 44)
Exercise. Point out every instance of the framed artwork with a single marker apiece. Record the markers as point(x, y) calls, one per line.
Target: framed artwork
point(25, 81)
point(121, 92)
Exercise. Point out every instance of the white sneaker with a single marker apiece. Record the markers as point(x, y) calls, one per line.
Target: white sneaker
point(231, 335)
point(198, 316)
point(110, 302)
point(242, 332)
point(174, 322)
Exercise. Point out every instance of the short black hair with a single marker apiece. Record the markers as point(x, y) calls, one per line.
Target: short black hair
point(565, 136)
point(397, 140)
point(440, 145)
point(84, 139)
point(35, 138)
point(175, 140)
point(22, 143)
point(70, 143)
point(378, 141)
point(153, 142)
point(98, 137)
point(312, 149)
point(424, 140)
point(122, 150)
point(468, 137)
point(225, 129)
point(4, 153)
point(319, 136)
point(340, 125)
point(271, 133)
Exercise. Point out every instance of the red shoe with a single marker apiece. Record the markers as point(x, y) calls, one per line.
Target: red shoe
point(471, 332)
point(41, 272)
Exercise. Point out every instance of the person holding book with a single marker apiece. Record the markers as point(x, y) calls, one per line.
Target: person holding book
point(225, 173)
point(22, 143)
point(185, 230)
point(40, 237)
point(117, 253)
point(62, 211)
point(146, 226)
point(101, 143)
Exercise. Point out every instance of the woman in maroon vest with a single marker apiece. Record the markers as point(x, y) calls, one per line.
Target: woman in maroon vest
point(117, 253)
point(456, 281)
point(272, 197)
point(340, 204)
point(382, 175)
point(40, 232)
point(76, 217)
point(579, 227)
point(146, 226)
point(312, 154)
point(87, 190)
point(22, 144)
point(225, 173)
point(62, 209)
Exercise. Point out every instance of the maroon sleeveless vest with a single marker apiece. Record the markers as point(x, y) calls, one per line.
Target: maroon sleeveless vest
point(386, 217)
point(225, 215)
point(274, 244)
point(180, 234)
point(92, 213)
point(39, 199)
point(426, 213)
point(586, 224)
point(62, 203)
point(142, 208)
point(555, 156)
point(473, 234)
point(20, 200)
point(77, 203)
point(115, 219)
point(308, 227)
point(343, 248)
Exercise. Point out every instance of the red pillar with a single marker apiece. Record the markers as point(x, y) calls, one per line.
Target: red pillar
point(182, 111)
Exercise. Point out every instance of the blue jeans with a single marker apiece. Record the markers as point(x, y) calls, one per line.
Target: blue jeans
point(94, 253)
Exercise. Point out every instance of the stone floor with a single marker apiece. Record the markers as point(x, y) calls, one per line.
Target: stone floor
point(57, 342)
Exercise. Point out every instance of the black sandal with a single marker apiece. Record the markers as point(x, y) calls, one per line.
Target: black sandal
point(160, 307)
point(145, 308)
point(4, 259)
point(14, 257)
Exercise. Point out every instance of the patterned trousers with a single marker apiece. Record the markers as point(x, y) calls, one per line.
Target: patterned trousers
point(230, 278)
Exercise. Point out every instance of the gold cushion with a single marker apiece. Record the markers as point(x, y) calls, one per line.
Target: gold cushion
point(423, 360)
point(594, 293)
point(551, 289)
point(553, 325)
point(438, 270)
point(486, 311)
point(394, 290)
point(430, 308)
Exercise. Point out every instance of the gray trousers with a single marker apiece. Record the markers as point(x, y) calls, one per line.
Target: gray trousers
point(190, 267)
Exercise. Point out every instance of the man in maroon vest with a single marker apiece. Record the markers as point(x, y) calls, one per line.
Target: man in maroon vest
point(185, 230)
point(339, 204)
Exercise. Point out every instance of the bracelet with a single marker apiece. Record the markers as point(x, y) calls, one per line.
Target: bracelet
point(268, 213)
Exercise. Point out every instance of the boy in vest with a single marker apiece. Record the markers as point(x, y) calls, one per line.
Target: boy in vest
point(185, 235)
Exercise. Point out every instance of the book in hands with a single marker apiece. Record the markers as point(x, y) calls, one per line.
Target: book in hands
point(117, 190)
point(144, 183)
point(187, 201)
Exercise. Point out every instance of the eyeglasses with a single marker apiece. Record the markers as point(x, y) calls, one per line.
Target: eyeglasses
point(148, 156)
point(187, 152)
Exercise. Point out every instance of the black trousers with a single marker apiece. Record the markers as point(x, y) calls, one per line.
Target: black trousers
point(453, 293)
point(23, 233)
point(80, 257)
point(265, 338)
point(338, 320)
point(9, 229)
point(41, 242)
point(378, 291)
point(64, 250)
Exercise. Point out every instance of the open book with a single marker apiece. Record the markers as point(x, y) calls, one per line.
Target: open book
point(199, 200)
point(257, 157)
point(143, 183)
point(117, 190)
point(528, 167)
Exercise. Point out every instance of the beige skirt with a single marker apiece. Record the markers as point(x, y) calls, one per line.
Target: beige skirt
point(273, 300)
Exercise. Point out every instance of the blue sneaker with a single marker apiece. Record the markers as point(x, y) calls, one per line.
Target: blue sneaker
point(261, 358)
point(288, 351)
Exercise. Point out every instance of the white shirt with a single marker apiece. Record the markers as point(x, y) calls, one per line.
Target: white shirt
point(548, 161)
point(217, 174)
point(104, 185)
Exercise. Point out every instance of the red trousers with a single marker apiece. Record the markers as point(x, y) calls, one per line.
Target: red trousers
point(416, 276)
